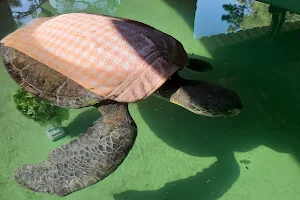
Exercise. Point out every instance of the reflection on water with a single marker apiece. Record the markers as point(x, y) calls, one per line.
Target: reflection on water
point(211, 17)
point(23, 11)
point(102, 6)
point(20, 12)
point(215, 17)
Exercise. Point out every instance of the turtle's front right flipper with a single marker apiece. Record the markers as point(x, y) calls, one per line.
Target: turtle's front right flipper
point(86, 160)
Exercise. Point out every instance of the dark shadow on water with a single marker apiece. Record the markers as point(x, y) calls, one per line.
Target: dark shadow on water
point(209, 184)
point(82, 122)
point(268, 90)
point(266, 77)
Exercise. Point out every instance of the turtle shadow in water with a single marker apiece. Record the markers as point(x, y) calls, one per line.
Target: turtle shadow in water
point(195, 187)
point(196, 136)
point(206, 137)
point(82, 122)
point(269, 118)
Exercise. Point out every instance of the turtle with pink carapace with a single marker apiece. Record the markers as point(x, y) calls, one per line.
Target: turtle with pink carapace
point(77, 60)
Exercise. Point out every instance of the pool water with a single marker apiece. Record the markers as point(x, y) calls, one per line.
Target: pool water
point(177, 154)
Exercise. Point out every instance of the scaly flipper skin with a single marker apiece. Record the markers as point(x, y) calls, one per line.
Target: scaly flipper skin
point(86, 160)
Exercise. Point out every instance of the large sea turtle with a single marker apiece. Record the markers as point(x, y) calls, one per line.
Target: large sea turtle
point(99, 151)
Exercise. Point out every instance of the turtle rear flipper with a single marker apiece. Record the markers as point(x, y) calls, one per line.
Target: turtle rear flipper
point(86, 160)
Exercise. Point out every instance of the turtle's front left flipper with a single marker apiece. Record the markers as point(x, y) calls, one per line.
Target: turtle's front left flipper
point(86, 160)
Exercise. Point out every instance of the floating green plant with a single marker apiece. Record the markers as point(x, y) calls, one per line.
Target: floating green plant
point(39, 110)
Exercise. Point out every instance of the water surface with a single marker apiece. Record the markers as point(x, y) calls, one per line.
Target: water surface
point(179, 155)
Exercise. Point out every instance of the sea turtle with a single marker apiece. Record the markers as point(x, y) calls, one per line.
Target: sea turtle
point(98, 152)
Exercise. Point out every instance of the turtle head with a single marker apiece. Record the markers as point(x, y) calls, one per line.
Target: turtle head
point(207, 99)
point(201, 97)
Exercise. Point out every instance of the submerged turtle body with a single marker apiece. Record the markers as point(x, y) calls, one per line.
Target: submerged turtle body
point(98, 152)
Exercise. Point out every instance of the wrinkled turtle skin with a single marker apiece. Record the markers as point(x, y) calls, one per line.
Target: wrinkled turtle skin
point(98, 152)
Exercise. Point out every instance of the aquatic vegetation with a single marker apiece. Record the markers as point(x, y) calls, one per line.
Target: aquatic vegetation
point(39, 110)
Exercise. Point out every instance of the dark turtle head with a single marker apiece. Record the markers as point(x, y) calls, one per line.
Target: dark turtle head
point(202, 98)
point(208, 99)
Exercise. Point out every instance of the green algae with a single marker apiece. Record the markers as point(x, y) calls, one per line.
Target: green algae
point(39, 110)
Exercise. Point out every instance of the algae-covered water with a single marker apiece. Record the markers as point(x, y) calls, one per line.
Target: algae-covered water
point(177, 154)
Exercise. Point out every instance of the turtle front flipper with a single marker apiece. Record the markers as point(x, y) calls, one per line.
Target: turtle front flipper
point(86, 160)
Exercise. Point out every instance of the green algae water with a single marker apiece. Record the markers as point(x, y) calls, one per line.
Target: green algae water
point(254, 49)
